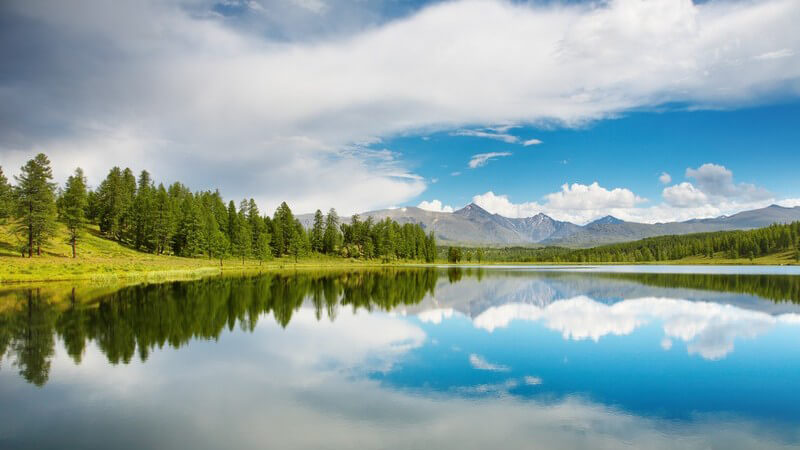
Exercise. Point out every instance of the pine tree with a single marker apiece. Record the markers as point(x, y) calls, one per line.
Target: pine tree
point(162, 220)
point(283, 225)
point(242, 241)
point(73, 207)
point(263, 250)
point(144, 214)
point(255, 222)
point(332, 237)
point(220, 246)
point(36, 206)
point(317, 232)
point(6, 197)
point(295, 243)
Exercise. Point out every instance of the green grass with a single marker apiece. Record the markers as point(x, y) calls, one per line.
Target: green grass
point(106, 261)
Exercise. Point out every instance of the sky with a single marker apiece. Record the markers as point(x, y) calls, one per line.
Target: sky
point(648, 110)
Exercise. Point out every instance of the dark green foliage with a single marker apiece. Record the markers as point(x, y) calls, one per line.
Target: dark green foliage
point(750, 244)
point(136, 320)
point(331, 238)
point(318, 232)
point(386, 240)
point(175, 220)
point(6, 197)
point(163, 222)
point(72, 207)
point(453, 254)
point(283, 225)
point(144, 214)
point(35, 203)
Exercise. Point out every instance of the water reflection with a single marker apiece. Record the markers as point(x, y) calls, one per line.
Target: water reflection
point(418, 358)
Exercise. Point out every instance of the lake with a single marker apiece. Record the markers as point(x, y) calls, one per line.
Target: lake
point(498, 357)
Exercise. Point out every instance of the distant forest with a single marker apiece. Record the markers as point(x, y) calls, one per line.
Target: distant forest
point(749, 244)
point(174, 220)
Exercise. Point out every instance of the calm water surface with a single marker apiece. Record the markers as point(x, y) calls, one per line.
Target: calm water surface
point(610, 357)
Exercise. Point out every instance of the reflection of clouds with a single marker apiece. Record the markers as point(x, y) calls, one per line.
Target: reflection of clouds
point(435, 316)
point(248, 391)
point(709, 328)
point(479, 363)
point(353, 340)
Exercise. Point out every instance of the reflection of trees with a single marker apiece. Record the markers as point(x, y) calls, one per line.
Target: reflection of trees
point(140, 318)
point(135, 320)
point(27, 333)
point(779, 288)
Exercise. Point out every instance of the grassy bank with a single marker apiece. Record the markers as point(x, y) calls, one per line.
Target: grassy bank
point(104, 260)
point(100, 259)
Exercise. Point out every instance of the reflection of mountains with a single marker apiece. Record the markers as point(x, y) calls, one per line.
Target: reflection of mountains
point(482, 289)
point(136, 320)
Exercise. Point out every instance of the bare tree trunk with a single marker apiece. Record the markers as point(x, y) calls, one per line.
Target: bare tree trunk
point(74, 254)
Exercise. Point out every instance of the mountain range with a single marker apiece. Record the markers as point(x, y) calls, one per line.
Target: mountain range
point(473, 225)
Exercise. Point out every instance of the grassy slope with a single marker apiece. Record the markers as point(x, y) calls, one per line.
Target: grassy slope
point(101, 259)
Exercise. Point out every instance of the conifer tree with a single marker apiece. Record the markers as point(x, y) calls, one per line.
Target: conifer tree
point(263, 250)
point(162, 220)
point(36, 206)
point(73, 203)
point(332, 236)
point(6, 197)
point(144, 213)
point(317, 232)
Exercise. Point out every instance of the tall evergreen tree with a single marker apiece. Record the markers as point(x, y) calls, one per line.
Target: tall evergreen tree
point(162, 220)
point(332, 236)
point(255, 222)
point(73, 203)
point(283, 225)
point(144, 213)
point(6, 197)
point(111, 203)
point(36, 205)
point(317, 232)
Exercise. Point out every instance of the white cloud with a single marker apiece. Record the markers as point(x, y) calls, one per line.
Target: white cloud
point(530, 142)
point(684, 195)
point(716, 180)
point(777, 54)
point(479, 363)
point(435, 205)
point(194, 98)
point(592, 197)
point(315, 6)
point(665, 178)
point(500, 204)
point(455, 174)
point(505, 137)
point(714, 195)
point(481, 159)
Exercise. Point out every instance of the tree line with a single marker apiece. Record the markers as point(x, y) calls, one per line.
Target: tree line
point(749, 244)
point(174, 220)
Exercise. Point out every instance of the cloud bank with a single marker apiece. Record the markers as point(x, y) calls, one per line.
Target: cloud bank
point(276, 109)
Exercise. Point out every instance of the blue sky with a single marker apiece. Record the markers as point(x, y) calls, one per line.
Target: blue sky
point(368, 105)
point(758, 144)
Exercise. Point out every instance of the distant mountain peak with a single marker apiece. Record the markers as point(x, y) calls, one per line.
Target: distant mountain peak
point(472, 208)
point(607, 220)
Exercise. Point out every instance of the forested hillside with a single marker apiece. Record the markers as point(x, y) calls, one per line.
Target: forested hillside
point(731, 245)
point(173, 220)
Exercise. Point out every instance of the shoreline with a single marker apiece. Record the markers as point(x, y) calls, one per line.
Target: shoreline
point(113, 270)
